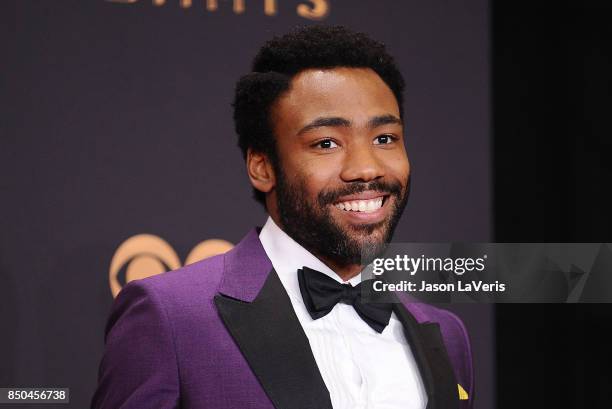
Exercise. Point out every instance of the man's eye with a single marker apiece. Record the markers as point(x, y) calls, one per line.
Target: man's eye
point(326, 144)
point(383, 139)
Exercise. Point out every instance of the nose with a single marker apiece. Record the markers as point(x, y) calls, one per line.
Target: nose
point(361, 164)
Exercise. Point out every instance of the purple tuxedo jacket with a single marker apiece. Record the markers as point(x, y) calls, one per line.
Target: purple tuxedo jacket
point(221, 333)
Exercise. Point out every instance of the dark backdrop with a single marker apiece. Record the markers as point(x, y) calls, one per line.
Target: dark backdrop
point(553, 175)
point(116, 121)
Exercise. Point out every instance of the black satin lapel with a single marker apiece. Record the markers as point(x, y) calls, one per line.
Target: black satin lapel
point(447, 391)
point(274, 344)
point(432, 359)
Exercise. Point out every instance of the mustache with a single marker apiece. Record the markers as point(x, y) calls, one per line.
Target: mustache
point(330, 197)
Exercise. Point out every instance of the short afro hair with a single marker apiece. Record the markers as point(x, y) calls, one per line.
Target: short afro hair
point(281, 58)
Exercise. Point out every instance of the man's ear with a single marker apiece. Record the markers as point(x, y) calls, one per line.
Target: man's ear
point(260, 171)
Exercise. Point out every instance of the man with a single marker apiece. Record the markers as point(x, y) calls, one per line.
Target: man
point(278, 321)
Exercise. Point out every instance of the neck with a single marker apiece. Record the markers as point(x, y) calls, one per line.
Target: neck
point(344, 271)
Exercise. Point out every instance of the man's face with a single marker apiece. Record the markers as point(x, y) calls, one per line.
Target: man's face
point(342, 178)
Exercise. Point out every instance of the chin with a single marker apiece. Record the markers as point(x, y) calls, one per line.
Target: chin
point(376, 230)
point(369, 235)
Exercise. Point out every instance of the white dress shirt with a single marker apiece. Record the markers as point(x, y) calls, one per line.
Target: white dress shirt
point(360, 367)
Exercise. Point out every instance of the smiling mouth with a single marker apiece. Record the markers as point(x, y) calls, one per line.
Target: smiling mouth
point(362, 206)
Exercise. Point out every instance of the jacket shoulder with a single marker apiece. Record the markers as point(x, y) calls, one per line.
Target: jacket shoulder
point(140, 352)
point(199, 280)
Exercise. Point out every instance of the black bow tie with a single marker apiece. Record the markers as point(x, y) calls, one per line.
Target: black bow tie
point(321, 293)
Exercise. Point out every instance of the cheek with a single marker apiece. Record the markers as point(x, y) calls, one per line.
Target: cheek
point(406, 167)
point(399, 167)
point(317, 180)
point(320, 172)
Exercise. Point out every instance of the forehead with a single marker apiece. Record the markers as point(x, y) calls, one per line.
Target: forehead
point(356, 94)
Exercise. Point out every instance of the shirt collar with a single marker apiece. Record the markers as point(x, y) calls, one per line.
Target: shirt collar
point(287, 256)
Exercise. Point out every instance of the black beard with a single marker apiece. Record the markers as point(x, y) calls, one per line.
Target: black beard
point(316, 230)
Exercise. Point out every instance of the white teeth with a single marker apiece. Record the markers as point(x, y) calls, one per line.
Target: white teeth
point(366, 206)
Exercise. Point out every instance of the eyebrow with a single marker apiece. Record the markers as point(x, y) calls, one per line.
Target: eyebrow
point(324, 122)
point(336, 121)
point(384, 120)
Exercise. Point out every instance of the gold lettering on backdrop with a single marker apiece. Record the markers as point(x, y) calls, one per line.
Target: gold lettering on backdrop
point(316, 10)
point(311, 9)
point(184, 3)
point(212, 5)
point(238, 6)
point(270, 7)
